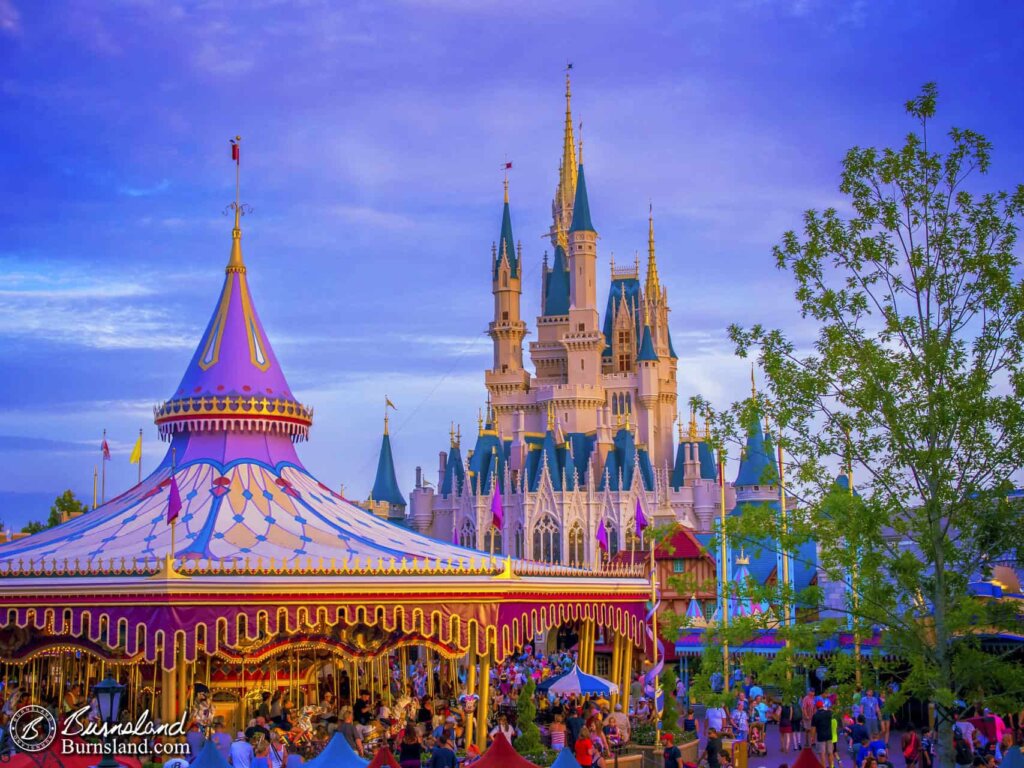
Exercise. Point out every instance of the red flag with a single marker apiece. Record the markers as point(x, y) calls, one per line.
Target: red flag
point(173, 501)
point(234, 151)
point(105, 449)
point(507, 166)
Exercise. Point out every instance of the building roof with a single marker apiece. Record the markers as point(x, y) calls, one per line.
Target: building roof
point(757, 466)
point(581, 206)
point(556, 286)
point(385, 484)
point(623, 288)
point(506, 243)
point(622, 459)
point(647, 347)
point(454, 472)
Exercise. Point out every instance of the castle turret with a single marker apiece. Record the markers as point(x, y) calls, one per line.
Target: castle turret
point(386, 500)
point(582, 249)
point(507, 329)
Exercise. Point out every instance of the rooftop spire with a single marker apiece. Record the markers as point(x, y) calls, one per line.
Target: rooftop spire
point(581, 207)
point(567, 172)
point(235, 263)
point(506, 243)
point(653, 287)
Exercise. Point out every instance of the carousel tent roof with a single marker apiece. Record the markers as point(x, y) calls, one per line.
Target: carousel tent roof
point(209, 757)
point(54, 757)
point(501, 754)
point(243, 490)
point(806, 759)
point(337, 754)
point(1013, 758)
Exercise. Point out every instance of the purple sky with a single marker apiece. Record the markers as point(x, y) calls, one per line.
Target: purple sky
point(373, 138)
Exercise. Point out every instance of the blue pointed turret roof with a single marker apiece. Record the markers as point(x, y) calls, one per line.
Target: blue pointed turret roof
point(581, 207)
point(556, 286)
point(488, 460)
point(706, 457)
point(622, 288)
point(454, 472)
point(647, 353)
point(671, 350)
point(385, 485)
point(622, 459)
point(507, 243)
point(758, 464)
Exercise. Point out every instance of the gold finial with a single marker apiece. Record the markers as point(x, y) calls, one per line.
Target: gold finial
point(707, 429)
point(567, 172)
point(506, 166)
point(693, 424)
point(753, 384)
point(458, 434)
point(563, 240)
point(551, 417)
point(627, 422)
point(742, 559)
point(235, 263)
point(581, 143)
point(680, 425)
point(653, 287)
point(451, 434)
point(385, 422)
point(480, 420)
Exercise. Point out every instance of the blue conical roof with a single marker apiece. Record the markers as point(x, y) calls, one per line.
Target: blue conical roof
point(708, 465)
point(337, 754)
point(581, 207)
point(506, 243)
point(454, 472)
point(647, 353)
point(385, 485)
point(758, 465)
point(556, 286)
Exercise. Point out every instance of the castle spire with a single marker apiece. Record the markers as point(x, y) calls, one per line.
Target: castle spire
point(235, 263)
point(567, 179)
point(653, 286)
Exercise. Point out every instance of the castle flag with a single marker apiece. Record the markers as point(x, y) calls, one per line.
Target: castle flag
point(497, 511)
point(173, 501)
point(641, 518)
point(136, 455)
point(602, 536)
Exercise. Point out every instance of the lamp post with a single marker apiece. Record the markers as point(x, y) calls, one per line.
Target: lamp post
point(108, 696)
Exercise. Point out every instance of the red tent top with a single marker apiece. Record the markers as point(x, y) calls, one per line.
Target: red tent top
point(54, 758)
point(501, 754)
point(806, 759)
point(383, 758)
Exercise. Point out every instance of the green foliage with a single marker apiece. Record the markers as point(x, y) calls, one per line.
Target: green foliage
point(33, 527)
point(670, 714)
point(526, 720)
point(915, 386)
point(63, 506)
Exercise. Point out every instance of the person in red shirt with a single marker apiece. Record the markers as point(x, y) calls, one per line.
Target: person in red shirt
point(584, 749)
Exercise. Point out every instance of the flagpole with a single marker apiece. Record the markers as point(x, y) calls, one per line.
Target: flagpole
point(140, 455)
point(654, 646)
point(724, 567)
point(103, 459)
point(174, 521)
point(95, 482)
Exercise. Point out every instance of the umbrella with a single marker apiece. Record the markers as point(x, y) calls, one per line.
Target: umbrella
point(337, 754)
point(565, 759)
point(577, 681)
point(501, 754)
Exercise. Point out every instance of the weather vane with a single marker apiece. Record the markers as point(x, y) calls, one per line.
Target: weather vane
point(241, 209)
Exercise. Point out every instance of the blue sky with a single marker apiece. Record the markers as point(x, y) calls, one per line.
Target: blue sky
point(373, 135)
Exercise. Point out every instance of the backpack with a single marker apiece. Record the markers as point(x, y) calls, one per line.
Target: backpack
point(963, 754)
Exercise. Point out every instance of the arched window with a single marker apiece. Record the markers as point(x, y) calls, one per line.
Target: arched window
point(547, 541)
point(467, 534)
point(576, 545)
point(519, 541)
point(615, 404)
point(629, 403)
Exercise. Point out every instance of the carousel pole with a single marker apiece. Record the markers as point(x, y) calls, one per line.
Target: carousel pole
point(471, 688)
point(484, 705)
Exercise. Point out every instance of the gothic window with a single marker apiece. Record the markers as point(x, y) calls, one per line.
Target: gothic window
point(576, 545)
point(504, 315)
point(519, 541)
point(623, 338)
point(467, 534)
point(547, 541)
point(615, 404)
point(624, 363)
point(504, 280)
point(629, 403)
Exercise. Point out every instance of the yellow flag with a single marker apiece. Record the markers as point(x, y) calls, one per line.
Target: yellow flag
point(136, 456)
point(389, 404)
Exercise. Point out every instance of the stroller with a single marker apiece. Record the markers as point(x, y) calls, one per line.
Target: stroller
point(756, 742)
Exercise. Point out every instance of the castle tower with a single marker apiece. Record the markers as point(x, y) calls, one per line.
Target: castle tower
point(582, 250)
point(386, 500)
point(663, 407)
point(565, 192)
point(507, 329)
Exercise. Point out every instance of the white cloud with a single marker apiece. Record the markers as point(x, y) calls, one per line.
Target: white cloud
point(10, 18)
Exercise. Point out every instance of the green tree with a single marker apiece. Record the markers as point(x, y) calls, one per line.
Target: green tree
point(33, 527)
point(914, 384)
point(64, 505)
point(528, 741)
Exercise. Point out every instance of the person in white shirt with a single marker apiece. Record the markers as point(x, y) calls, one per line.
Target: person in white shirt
point(241, 752)
point(716, 718)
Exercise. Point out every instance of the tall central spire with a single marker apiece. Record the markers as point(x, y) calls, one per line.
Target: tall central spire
point(653, 286)
point(565, 192)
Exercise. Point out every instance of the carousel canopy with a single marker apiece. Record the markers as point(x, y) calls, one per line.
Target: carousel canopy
point(577, 681)
point(337, 754)
point(501, 754)
point(1013, 758)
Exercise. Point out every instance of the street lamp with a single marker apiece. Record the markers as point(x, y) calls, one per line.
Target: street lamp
point(108, 696)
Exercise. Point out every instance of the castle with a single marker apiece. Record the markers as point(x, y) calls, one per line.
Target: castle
point(590, 432)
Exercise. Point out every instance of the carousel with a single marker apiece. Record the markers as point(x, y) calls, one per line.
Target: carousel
point(231, 572)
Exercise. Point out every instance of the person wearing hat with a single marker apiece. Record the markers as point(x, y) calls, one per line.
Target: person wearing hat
point(671, 754)
point(241, 752)
point(821, 726)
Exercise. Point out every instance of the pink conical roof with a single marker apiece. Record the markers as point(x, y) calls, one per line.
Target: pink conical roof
point(234, 386)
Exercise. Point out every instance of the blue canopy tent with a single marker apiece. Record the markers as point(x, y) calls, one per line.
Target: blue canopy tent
point(338, 754)
point(209, 757)
point(565, 759)
point(577, 681)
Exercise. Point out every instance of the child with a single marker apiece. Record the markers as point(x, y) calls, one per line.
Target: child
point(757, 745)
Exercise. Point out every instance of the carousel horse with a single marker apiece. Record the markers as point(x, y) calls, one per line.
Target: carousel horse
point(203, 711)
point(11, 705)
